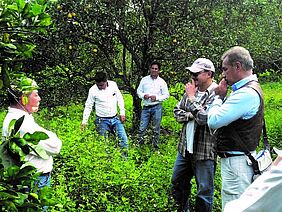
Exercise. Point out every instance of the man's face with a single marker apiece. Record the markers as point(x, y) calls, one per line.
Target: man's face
point(200, 78)
point(228, 72)
point(102, 85)
point(154, 71)
point(33, 102)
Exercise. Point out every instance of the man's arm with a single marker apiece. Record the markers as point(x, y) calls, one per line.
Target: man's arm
point(53, 144)
point(120, 104)
point(88, 108)
point(180, 112)
point(243, 103)
point(198, 107)
point(140, 91)
point(164, 93)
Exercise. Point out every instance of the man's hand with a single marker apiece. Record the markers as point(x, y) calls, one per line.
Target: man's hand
point(190, 89)
point(221, 89)
point(122, 118)
point(82, 127)
point(153, 98)
point(146, 96)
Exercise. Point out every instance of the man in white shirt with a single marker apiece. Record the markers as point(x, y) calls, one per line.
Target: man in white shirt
point(24, 100)
point(153, 91)
point(106, 96)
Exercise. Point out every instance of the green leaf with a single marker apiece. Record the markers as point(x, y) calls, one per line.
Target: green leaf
point(26, 11)
point(9, 45)
point(45, 21)
point(26, 171)
point(35, 137)
point(36, 9)
point(21, 198)
point(1, 84)
point(25, 149)
point(8, 194)
point(11, 127)
point(10, 206)
point(20, 4)
point(12, 7)
point(12, 171)
point(19, 141)
point(18, 124)
point(40, 152)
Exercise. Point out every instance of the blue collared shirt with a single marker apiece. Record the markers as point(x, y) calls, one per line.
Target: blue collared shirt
point(241, 104)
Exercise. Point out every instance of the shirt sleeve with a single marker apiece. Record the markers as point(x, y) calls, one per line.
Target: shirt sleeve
point(88, 106)
point(164, 93)
point(140, 91)
point(243, 103)
point(180, 113)
point(53, 144)
point(120, 101)
point(199, 107)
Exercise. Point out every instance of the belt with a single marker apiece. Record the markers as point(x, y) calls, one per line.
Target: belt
point(150, 106)
point(107, 117)
point(46, 174)
point(228, 155)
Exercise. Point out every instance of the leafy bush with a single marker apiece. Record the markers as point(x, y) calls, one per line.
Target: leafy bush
point(17, 177)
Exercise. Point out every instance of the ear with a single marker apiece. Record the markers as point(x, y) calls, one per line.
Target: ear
point(238, 66)
point(24, 99)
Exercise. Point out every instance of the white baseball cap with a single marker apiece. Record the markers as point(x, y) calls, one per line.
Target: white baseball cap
point(201, 64)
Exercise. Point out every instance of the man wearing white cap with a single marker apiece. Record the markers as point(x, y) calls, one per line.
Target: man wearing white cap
point(264, 194)
point(195, 155)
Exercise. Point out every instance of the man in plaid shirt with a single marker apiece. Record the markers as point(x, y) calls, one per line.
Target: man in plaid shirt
point(195, 150)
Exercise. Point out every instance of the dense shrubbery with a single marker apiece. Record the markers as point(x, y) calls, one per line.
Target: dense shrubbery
point(91, 175)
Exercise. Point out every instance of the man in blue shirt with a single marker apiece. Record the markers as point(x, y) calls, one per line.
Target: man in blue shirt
point(241, 113)
point(153, 91)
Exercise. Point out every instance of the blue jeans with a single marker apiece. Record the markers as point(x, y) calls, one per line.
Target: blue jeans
point(112, 125)
point(154, 114)
point(184, 170)
point(43, 180)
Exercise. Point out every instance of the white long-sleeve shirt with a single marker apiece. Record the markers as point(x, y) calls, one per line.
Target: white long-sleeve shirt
point(157, 87)
point(105, 101)
point(52, 145)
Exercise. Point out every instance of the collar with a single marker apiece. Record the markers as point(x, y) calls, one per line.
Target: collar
point(18, 111)
point(243, 82)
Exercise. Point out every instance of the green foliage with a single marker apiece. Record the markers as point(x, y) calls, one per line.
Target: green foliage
point(273, 115)
point(90, 174)
point(23, 24)
point(18, 191)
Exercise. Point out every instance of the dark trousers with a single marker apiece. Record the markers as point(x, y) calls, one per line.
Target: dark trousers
point(185, 168)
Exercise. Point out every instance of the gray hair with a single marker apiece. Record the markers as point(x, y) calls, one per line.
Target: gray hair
point(239, 54)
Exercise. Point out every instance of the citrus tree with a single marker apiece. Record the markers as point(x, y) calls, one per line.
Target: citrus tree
point(22, 28)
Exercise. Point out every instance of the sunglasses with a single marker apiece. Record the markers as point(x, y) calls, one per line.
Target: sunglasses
point(196, 74)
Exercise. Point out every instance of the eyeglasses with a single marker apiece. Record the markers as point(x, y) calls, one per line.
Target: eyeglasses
point(196, 74)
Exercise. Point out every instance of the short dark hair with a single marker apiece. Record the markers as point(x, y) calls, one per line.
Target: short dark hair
point(156, 63)
point(101, 76)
